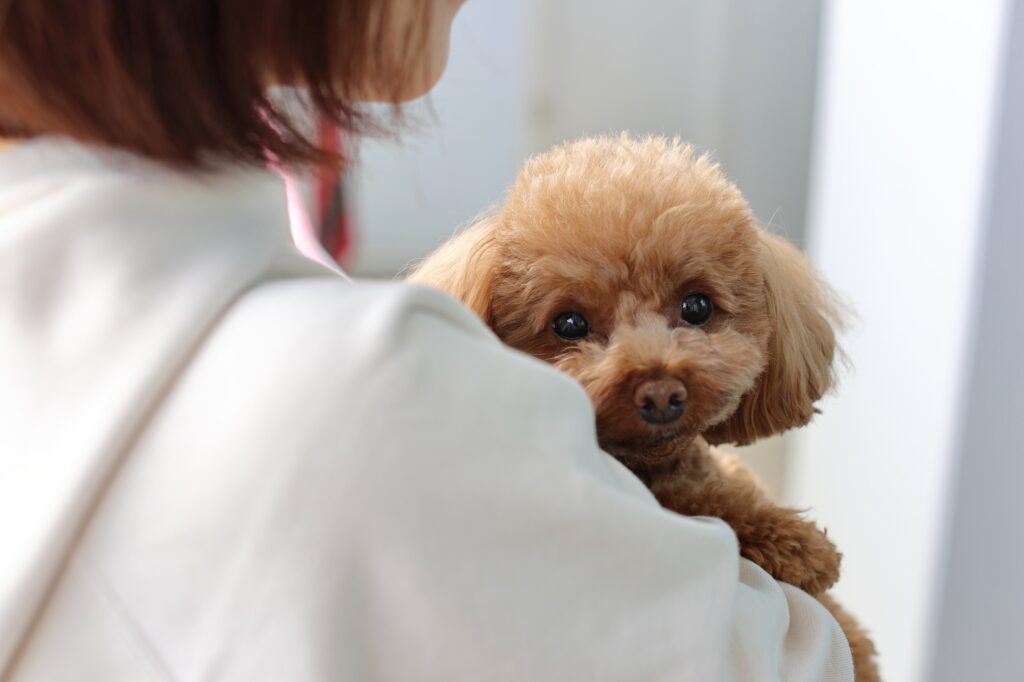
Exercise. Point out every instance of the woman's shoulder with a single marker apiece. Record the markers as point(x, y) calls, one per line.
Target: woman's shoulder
point(321, 320)
point(309, 368)
point(293, 342)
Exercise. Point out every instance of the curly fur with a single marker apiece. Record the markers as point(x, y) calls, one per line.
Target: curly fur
point(620, 230)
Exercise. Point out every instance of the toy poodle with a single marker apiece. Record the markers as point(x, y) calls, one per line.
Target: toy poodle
point(638, 269)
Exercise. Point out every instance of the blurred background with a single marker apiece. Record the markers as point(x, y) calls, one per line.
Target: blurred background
point(887, 138)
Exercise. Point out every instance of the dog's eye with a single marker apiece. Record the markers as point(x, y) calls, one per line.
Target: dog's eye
point(571, 325)
point(697, 308)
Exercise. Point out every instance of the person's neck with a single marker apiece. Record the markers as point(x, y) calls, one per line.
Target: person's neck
point(6, 143)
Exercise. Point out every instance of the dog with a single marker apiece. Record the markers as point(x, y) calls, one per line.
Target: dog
point(635, 267)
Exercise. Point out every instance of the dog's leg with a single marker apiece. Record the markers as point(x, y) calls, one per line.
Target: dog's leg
point(861, 646)
point(787, 546)
point(705, 482)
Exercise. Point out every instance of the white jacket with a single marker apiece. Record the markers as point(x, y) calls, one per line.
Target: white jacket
point(220, 462)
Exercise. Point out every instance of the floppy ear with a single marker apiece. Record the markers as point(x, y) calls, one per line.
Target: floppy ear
point(803, 316)
point(465, 267)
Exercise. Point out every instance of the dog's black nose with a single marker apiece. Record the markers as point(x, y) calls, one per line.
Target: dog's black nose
point(660, 401)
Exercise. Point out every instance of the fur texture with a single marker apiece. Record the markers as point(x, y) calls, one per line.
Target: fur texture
point(619, 231)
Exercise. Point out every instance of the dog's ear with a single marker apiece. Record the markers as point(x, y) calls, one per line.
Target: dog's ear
point(803, 317)
point(465, 267)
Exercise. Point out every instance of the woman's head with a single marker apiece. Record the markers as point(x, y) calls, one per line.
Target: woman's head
point(180, 79)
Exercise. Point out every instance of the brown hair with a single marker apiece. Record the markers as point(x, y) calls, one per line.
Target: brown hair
point(183, 80)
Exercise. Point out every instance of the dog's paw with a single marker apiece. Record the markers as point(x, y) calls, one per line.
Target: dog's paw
point(794, 551)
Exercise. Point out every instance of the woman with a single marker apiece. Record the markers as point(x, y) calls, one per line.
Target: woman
point(222, 462)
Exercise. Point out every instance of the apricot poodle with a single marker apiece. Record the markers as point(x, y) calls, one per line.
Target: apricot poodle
point(637, 268)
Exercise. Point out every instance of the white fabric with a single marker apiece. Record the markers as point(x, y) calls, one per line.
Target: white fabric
point(220, 463)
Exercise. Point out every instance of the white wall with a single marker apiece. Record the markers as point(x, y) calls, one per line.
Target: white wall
point(981, 601)
point(733, 77)
point(457, 159)
point(905, 123)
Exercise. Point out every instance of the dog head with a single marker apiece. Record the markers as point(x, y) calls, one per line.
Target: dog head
point(637, 268)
